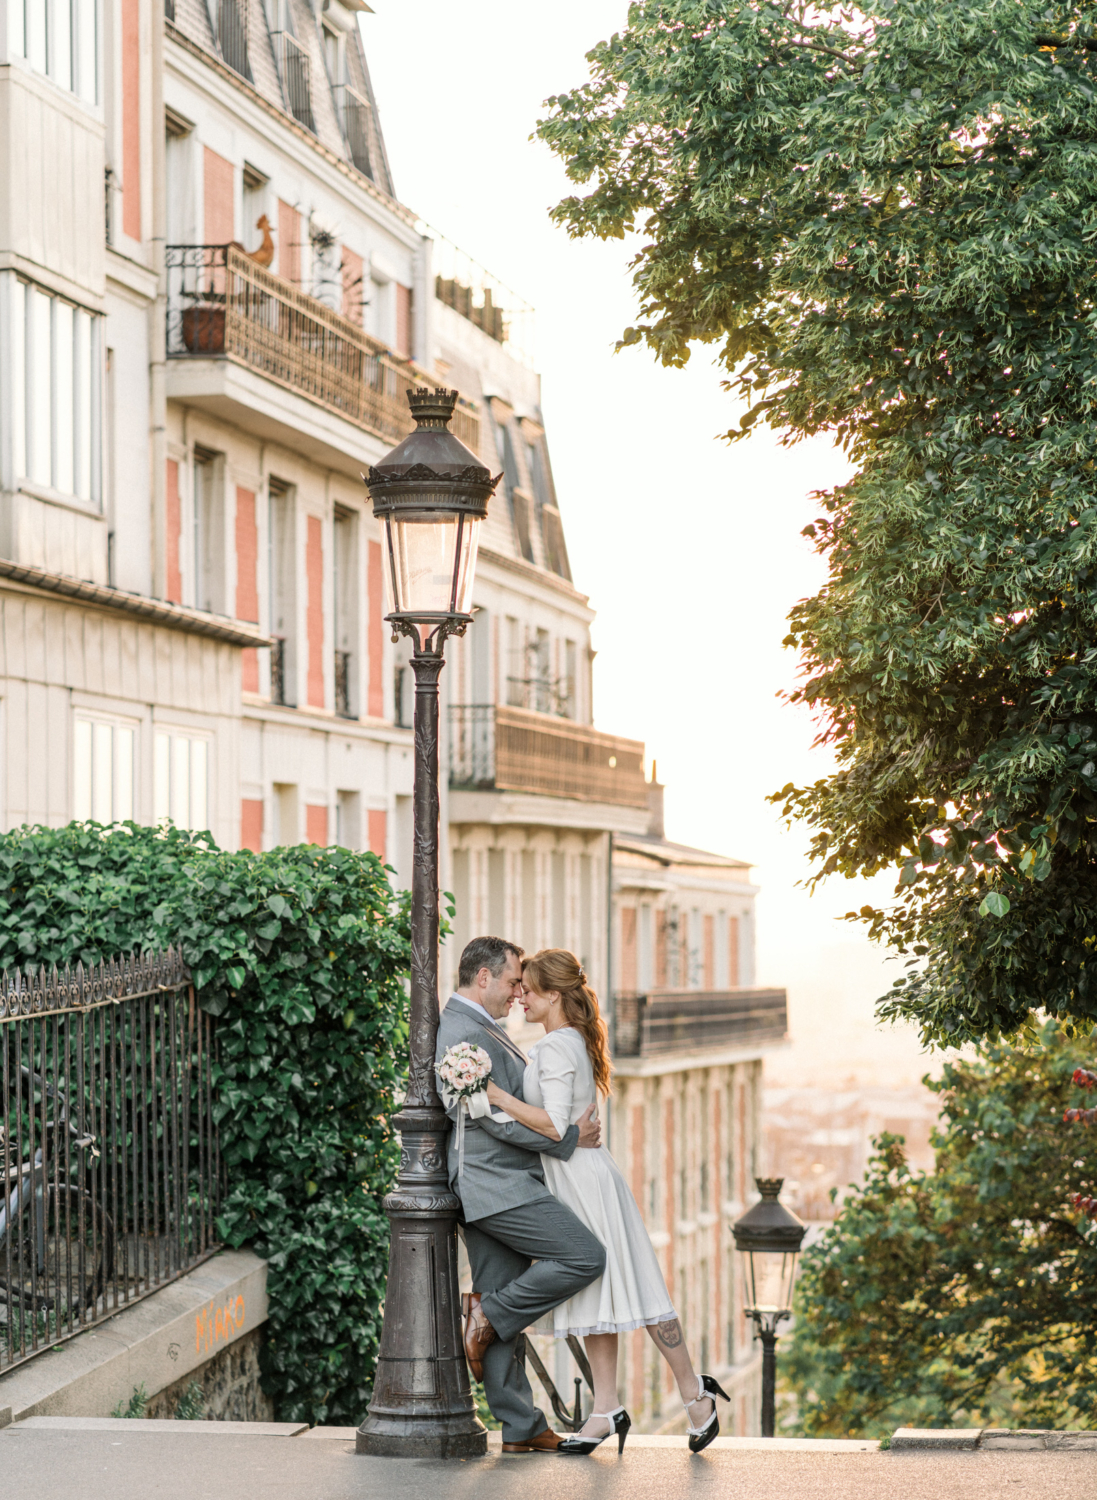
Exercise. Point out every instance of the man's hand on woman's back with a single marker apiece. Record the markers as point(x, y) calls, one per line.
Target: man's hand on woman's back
point(590, 1129)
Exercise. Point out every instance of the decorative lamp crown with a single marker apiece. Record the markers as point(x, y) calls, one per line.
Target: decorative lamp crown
point(432, 408)
point(769, 1225)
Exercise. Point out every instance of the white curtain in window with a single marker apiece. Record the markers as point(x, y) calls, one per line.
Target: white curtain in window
point(59, 38)
point(55, 413)
point(102, 781)
point(39, 348)
point(181, 780)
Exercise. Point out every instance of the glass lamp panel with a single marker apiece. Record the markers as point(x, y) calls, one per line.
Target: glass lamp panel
point(466, 563)
point(424, 557)
point(770, 1279)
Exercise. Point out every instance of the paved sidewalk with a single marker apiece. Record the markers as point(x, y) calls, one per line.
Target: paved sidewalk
point(187, 1461)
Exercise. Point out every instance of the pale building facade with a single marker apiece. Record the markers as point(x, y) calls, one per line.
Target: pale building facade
point(211, 304)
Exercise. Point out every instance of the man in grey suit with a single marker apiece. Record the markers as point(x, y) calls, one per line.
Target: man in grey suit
point(528, 1252)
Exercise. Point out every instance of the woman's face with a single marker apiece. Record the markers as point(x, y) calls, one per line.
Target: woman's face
point(536, 1006)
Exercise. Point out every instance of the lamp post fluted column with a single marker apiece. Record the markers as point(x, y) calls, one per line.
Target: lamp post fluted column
point(422, 1405)
point(431, 493)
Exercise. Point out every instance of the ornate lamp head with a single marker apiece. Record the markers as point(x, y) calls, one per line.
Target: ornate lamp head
point(769, 1237)
point(432, 494)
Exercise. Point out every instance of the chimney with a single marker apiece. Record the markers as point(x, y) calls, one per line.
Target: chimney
point(655, 805)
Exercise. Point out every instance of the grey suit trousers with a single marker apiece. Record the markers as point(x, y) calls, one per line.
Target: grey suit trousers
point(525, 1261)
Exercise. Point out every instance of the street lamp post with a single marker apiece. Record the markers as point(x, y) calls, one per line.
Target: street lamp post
point(431, 494)
point(769, 1237)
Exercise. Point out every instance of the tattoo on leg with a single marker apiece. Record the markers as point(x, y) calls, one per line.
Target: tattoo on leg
point(670, 1333)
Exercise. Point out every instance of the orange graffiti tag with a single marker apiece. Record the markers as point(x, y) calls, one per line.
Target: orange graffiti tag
point(213, 1324)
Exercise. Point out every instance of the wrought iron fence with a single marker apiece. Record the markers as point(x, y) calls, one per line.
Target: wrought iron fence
point(221, 304)
point(109, 1164)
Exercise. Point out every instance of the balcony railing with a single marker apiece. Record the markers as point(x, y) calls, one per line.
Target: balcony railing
point(343, 685)
point(278, 670)
point(667, 1022)
point(293, 62)
point(232, 35)
point(222, 305)
point(358, 128)
point(513, 749)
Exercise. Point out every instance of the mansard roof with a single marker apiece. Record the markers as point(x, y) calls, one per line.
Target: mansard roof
point(268, 74)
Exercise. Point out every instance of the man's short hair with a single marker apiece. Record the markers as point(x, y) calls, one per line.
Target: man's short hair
point(485, 953)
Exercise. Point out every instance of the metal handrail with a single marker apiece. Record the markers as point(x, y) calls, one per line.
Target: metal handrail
point(110, 1173)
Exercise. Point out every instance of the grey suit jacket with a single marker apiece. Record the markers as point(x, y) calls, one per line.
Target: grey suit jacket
point(502, 1159)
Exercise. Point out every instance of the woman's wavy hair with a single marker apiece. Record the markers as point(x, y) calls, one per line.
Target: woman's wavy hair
point(557, 969)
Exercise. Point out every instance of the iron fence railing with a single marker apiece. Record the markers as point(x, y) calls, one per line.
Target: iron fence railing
point(515, 749)
point(109, 1165)
point(664, 1022)
point(221, 304)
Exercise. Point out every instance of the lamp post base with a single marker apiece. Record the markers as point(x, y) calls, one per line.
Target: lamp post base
point(422, 1406)
point(404, 1437)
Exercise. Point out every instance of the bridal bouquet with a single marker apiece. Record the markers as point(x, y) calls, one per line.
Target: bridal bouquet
point(465, 1069)
point(464, 1072)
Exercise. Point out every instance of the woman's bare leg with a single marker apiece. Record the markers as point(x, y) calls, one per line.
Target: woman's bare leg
point(602, 1353)
point(668, 1339)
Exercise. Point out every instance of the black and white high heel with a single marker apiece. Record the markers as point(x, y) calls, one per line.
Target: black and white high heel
point(700, 1437)
point(619, 1423)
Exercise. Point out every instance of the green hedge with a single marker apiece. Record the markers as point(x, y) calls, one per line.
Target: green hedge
point(301, 953)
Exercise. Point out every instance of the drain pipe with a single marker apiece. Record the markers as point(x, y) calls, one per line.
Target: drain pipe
point(158, 416)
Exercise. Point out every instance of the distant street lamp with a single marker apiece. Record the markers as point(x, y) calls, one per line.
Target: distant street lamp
point(432, 493)
point(768, 1237)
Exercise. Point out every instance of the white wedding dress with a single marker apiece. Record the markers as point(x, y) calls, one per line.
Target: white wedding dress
point(631, 1293)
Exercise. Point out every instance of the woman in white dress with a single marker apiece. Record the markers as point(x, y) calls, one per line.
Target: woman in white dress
point(568, 1069)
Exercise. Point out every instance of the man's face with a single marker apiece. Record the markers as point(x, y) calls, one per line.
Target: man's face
point(498, 995)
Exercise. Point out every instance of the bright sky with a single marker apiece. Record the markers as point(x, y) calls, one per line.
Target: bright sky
point(690, 550)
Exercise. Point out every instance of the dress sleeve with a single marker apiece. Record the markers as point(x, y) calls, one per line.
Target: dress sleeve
point(556, 1069)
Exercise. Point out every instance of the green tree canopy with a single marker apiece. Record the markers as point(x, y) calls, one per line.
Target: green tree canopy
point(963, 1296)
point(885, 217)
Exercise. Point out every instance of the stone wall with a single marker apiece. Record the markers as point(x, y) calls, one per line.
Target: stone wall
point(229, 1383)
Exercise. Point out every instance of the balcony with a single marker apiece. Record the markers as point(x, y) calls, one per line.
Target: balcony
point(514, 749)
point(666, 1023)
point(221, 305)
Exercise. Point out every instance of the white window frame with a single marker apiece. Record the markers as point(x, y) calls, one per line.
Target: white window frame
point(56, 383)
point(104, 761)
point(181, 765)
point(66, 49)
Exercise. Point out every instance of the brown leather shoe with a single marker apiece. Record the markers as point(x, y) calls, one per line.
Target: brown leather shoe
point(478, 1332)
point(545, 1442)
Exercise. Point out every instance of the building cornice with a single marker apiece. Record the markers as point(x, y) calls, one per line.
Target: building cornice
point(688, 1062)
point(154, 611)
point(534, 574)
point(261, 710)
point(291, 126)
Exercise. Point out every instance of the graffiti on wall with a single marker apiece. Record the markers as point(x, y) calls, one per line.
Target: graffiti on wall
point(216, 1325)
